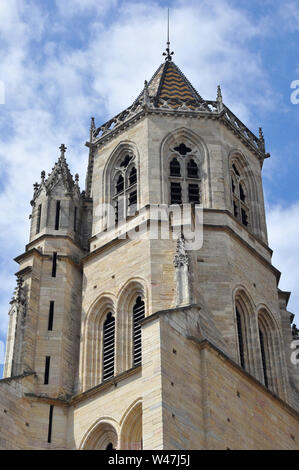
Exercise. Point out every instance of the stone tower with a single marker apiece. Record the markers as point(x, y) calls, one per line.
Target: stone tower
point(122, 338)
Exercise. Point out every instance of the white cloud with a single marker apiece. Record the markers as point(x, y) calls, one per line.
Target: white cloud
point(283, 233)
point(289, 11)
point(79, 7)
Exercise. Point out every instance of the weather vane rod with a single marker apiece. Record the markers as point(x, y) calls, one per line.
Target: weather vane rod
point(168, 54)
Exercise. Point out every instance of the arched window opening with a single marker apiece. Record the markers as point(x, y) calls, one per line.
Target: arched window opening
point(233, 185)
point(39, 212)
point(102, 437)
point(126, 161)
point(236, 213)
point(245, 337)
point(263, 354)
point(120, 184)
point(125, 193)
point(131, 433)
point(242, 193)
point(235, 170)
point(239, 196)
point(192, 169)
point(133, 176)
point(240, 338)
point(184, 176)
point(270, 357)
point(175, 167)
point(193, 193)
point(175, 193)
point(244, 217)
point(132, 203)
point(138, 315)
point(108, 346)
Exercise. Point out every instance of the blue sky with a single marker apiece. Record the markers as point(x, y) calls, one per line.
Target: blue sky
point(63, 61)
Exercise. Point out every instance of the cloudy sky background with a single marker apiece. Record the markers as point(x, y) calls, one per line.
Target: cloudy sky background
point(63, 61)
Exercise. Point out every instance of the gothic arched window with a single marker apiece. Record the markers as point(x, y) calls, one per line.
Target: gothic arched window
point(184, 177)
point(263, 357)
point(269, 350)
point(138, 315)
point(175, 167)
point(240, 201)
point(108, 346)
point(240, 330)
point(125, 188)
point(244, 328)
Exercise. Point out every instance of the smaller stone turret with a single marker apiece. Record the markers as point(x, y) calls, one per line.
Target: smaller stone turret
point(57, 203)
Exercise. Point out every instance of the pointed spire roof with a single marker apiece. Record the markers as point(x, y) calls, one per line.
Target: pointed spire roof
point(60, 172)
point(169, 91)
point(169, 85)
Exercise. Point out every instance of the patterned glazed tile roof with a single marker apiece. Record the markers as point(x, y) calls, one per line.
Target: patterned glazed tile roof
point(169, 83)
point(174, 85)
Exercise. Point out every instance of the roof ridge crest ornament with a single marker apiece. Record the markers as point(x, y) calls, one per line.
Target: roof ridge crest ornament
point(168, 54)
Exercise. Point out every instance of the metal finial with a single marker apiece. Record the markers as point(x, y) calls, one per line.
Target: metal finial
point(168, 54)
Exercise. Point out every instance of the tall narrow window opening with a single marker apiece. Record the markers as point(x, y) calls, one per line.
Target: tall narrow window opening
point(50, 424)
point(175, 193)
point(175, 167)
point(57, 217)
point(108, 346)
point(240, 338)
point(263, 354)
point(133, 176)
point(184, 175)
point(75, 219)
point(39, 212)
point(192, 169)
point(138, 315)
point(193, 193)
point(239, 196)
point(54, 264)
point(125, 188)
point(51, 315)
point(47, 370)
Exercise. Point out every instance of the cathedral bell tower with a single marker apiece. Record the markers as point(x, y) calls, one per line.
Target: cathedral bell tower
point(134, 340)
